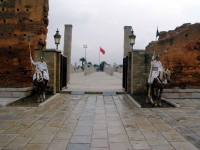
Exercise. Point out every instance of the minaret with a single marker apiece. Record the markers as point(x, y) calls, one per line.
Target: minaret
point(127, 46)
point(67, 48)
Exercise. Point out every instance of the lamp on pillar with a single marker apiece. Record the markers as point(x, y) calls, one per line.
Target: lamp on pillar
point(57, 37)
point(132, 38)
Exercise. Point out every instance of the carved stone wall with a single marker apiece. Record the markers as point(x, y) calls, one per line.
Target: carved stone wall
point(180, 51)
point(18, 19)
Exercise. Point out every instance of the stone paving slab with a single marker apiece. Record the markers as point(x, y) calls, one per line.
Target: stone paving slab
point(109, 93)
point(97, 122)
point(77, 92)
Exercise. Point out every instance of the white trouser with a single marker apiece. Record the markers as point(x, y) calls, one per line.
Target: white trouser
point(154, 74)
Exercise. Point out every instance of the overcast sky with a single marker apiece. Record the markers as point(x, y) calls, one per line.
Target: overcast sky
point(101, 23)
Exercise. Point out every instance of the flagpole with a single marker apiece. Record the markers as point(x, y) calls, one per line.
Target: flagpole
point(99, 58)
point(150, 73)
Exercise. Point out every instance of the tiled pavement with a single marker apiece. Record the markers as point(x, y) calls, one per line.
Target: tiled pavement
point(97, 122)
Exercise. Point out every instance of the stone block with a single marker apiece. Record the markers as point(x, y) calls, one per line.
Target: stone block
point(109, 93)
point(25, 89)
point(197, 90)
point(77, 92)
point(2, 89)
point(5, 94)
point(171, 90)
point(185, 95)
point(192, 90)
point(18, 94)
point(171, 95)
point(195, 95)
point(11, 89)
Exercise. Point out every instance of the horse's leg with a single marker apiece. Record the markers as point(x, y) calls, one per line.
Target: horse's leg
point(43, 94)
point(38, 93)
point(161, 90)
point(156, 101)
point(152, 93)
point(147, 98)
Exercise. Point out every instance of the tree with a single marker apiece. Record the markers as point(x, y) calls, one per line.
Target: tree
point(102, 64)
point(78, 67)
point(89, 64)
point(82, 60)
point(96, 66)
point(120, 66)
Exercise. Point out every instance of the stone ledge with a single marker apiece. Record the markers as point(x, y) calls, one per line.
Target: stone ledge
point(181, 90)
point(15, 92)
point(181, 93)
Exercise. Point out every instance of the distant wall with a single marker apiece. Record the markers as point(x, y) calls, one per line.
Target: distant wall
point(18, 19)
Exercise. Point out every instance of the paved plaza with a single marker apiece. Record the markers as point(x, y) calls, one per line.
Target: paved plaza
point(98, 122)
point(95, 82)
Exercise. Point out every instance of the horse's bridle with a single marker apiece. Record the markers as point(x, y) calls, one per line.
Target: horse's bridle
point(160, 81)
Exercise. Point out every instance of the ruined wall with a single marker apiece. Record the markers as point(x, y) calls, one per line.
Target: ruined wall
point(18, 19)
point(180, 51)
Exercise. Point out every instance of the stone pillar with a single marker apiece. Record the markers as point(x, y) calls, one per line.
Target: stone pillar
point(85, 68)
point(67, 48)
point(52, 58)
point(127, 46)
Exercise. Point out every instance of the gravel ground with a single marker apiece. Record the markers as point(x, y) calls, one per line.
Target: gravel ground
point(141, 99)
point(30, 101)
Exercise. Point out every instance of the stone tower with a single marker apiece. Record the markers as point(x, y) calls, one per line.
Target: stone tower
point(67, 48)
point(18, 19)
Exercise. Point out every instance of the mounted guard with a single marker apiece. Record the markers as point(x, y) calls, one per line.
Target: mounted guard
point(42, 66)
point(158, 78)
point(156, 68)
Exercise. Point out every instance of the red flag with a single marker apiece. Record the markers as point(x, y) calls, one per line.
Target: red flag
point(101, 50)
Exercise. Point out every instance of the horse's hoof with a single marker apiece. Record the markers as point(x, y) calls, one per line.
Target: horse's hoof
point(156, 105)
point(160, 104)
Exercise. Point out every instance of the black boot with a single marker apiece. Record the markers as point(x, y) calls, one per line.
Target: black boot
point(34, 82)
point(47, 86)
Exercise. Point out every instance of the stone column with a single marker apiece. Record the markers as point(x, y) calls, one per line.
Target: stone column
point(85, 68)
point(67, 48)
point(127, 46)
